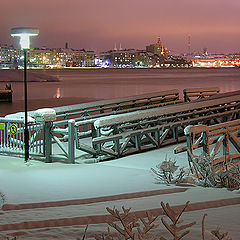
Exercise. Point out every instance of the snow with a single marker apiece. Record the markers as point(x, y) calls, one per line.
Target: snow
point(20, 116)
point(126, 117)
point(45, 115)
point(38, 182)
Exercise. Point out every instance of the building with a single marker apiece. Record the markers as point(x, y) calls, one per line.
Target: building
point(142, 58)
point(46, 57)
point(119, 58)
point(8, 56)
point(158, 49)
point(216, 62)
point(80, 58)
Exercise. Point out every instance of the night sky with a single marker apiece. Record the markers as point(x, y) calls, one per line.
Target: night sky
point(99, 24)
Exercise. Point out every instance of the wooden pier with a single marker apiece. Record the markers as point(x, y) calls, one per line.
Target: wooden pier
point(6, 94)
point(115, 128)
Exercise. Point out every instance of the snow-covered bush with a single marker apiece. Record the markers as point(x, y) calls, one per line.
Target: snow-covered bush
point(209, 174)
point(167, 172)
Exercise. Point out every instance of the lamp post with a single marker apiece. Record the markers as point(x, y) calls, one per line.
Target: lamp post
point(25, 34)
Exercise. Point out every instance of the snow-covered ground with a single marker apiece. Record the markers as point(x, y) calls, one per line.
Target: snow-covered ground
point(39, 182)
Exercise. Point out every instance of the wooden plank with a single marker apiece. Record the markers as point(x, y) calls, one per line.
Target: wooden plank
point(222, 159)
point(103, 139)
point(193, 90)
point(87, 149)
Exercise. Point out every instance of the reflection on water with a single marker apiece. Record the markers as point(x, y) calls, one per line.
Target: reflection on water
point(58, 93)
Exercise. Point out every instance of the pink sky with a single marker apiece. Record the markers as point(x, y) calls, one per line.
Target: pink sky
point(98, 25)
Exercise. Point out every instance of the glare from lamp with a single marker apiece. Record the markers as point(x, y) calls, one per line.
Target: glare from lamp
point(24, 34)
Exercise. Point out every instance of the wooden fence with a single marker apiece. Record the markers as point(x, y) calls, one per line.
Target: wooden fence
point(218, 142)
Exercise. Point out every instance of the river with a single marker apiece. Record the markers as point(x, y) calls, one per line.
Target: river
point(83, 85)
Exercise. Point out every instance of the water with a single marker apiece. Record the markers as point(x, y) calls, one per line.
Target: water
point(77, 85)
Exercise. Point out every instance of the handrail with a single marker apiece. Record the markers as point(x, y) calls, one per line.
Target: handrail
point(223, 98)
point(202, 136)
point(115, 101)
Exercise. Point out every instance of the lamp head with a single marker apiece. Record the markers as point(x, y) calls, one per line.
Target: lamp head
point(24, 34)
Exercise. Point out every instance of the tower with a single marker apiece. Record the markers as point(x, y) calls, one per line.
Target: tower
point(115, 47)
point(159, 42)
point(205, 52)
point(189, 44)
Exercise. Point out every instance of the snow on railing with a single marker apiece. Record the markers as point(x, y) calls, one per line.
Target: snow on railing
point(207, 141)
point(12, 136)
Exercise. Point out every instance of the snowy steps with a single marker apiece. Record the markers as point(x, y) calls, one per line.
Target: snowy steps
point(93, 210)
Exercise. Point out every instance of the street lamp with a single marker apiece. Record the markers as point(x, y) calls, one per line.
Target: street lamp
point(25, 33)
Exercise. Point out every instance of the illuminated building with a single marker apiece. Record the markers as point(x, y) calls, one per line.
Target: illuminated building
point(119, 58)
point(63, 57)
point(139, 58)
point(83, 58)
point(142, 58)
point(216, 62)
point(7, 56)
point(46, 58)
point(158, 49)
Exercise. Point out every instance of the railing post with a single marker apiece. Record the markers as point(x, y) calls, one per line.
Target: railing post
point(206, 150)
point(185, 95)
point(47, 141)
point(71, 142)
point(190, 149)
point(226, 146)
point(46, 116)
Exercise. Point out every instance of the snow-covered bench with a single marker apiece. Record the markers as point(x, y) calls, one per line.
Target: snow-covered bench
point(161, 126)
point(198, 93)
point(123, 104)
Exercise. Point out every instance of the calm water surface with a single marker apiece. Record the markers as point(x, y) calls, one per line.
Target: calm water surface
point(77, 85)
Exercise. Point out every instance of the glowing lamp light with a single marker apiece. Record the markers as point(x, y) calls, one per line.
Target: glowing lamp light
point(24, 34)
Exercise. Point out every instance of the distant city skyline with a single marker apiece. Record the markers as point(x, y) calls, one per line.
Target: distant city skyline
point(99, 25)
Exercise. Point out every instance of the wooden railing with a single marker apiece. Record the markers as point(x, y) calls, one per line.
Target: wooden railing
point(154, 128)
point(219, 142)
point(88, 112)
point(121, 126)
point(108, 107)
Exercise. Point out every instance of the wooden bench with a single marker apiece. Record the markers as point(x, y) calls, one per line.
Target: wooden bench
point(199, 93)
point(164, 125)
point(108, 106)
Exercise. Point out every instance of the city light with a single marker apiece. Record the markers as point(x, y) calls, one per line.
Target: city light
point(154, 56)
point(216, 62)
